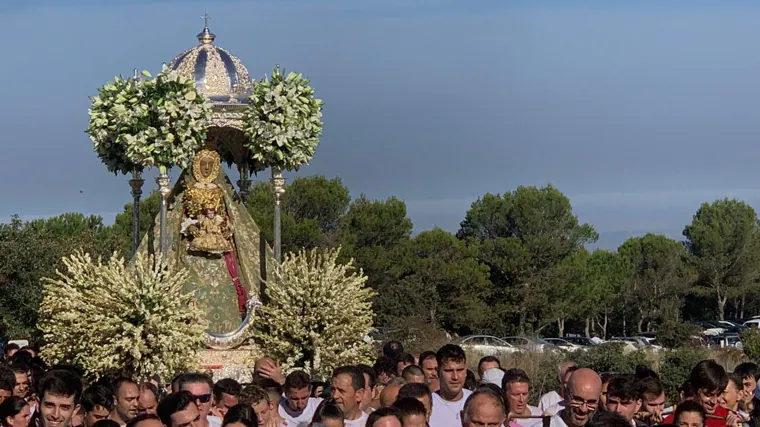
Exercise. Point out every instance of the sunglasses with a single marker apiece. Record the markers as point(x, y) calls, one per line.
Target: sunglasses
point(203, 398)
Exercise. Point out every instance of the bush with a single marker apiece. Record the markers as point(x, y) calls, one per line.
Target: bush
point(673, 334)
point(417, 334)
point(609, 357)
point(751, 341)
point(675, 366)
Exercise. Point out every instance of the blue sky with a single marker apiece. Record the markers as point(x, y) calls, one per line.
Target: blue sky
point(638, 111)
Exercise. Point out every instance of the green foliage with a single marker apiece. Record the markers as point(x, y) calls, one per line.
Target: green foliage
point(137, 123)
point(110, 317)
point(610, 357)
point(319, 315)
point(283, 121)
point(675, 367)
point(524, 236)
point(751, 341)
point(724, 244)
point(122, 227)
point(673, 334)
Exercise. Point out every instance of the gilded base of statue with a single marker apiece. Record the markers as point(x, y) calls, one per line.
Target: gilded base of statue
point(235, 364)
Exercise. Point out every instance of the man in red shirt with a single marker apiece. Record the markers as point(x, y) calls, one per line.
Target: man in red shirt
point(708, 380)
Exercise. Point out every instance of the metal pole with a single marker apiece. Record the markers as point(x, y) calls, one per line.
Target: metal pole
point(244, 184)
point(163, 190)
point(136, 183)
point(279, 189)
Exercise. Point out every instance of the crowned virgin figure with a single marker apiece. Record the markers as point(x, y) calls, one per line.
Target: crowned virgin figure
point(211, 234)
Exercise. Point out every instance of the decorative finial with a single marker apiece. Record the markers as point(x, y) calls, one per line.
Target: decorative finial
point(136, 75)
point(206, 36)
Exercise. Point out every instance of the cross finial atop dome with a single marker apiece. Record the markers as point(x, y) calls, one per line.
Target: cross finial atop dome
point(206, 36)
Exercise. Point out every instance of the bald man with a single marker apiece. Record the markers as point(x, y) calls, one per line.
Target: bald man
point(390, 393)
point(583, 390)
point(266, 368)
point(484, 408)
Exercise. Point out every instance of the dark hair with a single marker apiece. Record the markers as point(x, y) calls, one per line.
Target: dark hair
point(11, 346)
point(426, 355)
point(410, 406)
point(470, 382)
point(11, 407)
point(106, 423)
point(388, 411)
point(152, 388)
point(688, 406)
point(412, 370)
point(357, 377)
point(7, 378)
point(708, 375)
point(484, 391)
point(22, 357)
point(738, 380)
point(172, 404)
point(327, 410)
point(19, 368)
point(687, 389)
point(624, 387)
point(252, 394)
point(608, 419)
point(489, 359)
point(140, 418)
point(606, 377)
point(748, 370)
point(492, 387)
point(450, 352)
point(514, 375)
point(392, 349)
point(61, 382)
point(384, 365)
point(404, 358)
point(415, 390)
point(226, 386)
point(97, 395)
point(651, 386)
point(196, 378)
point(645, 372)
point(119, 382)
point(297, 380)
point(366, 369)
point(241, 413)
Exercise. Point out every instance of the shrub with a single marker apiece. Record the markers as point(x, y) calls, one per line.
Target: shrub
point(673, 334)
point(751, 341)
point(675, 366)
point(609, 357)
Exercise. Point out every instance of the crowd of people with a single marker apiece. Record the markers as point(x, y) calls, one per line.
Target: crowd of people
point(433, 389)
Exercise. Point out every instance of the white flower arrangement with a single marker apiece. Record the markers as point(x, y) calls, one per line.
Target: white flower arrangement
point(113, 317)
point(317, 314)
point(144, 123)
point(283, 121)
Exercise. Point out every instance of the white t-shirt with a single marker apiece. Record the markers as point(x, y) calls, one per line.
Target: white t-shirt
point(293, 419)
point(527, 422)
point(359, 422)
point(448, 414)
point(549, 399)
point(554, 409)
point(557, 421)
point(214, 421)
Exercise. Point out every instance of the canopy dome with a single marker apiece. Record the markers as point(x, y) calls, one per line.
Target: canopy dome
point(220, 76)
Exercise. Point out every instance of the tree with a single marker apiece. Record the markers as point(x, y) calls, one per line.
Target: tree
point(312, 209)
point(441, 283)
point(524, 235)
point(122, 227)
point(659, 280)
point(319, 315)
point(111, 317)
point(724, 246)
point(606, 273)
point(569, 291)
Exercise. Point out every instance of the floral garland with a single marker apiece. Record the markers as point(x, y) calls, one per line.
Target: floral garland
point(283, 121)
point(160, 122)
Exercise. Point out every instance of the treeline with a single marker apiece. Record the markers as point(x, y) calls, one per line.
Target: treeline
point(517, 265)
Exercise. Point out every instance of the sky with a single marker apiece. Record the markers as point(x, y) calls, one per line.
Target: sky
point(639, 111)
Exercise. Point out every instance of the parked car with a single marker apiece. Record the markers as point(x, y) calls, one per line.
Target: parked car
point(725, 341)
point(711, 329)
point(534, 345)
point(582, 341)
point(637, 342)
point(752, 323)
point(566, 345)
point(485, 344)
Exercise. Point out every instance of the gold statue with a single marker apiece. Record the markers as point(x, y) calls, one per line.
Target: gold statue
point(206, 224)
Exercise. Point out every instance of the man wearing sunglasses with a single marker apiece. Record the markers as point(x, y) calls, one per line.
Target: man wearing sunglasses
point(201, 386)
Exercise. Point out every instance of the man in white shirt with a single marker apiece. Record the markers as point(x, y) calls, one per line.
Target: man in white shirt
point(583, 390)
point(298, 406)
point(516, 387)
point(556, 396)
point(484, 408)
point(347, 388)
point(449, 400)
